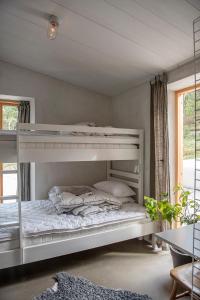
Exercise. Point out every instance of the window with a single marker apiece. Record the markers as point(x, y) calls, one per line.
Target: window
point(185, 154)
point(8, 171)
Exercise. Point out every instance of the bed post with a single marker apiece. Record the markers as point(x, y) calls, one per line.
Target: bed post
point(19, 196)
point(141, 168)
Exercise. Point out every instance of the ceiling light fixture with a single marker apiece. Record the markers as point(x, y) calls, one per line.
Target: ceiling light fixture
point(53, 27)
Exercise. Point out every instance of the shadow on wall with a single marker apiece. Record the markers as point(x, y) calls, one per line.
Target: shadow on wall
point(67, 173)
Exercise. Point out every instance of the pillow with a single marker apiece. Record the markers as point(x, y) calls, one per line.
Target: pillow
point(124, 200)
point(116, 188)
point(90, 124)
point(74, 189)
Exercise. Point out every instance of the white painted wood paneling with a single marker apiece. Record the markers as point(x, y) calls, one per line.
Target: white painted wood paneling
point(107, 46)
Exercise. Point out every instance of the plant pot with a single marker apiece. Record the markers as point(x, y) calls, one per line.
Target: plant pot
point(179, 258)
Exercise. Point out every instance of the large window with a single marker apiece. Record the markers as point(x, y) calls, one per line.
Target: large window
point(186, 137)
point(8, 171)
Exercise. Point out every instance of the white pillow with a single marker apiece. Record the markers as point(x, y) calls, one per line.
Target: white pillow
point(116, 188)
point(90, 124)
point(124, 200)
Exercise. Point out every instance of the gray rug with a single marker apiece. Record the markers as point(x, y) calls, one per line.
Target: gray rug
point(70, 287)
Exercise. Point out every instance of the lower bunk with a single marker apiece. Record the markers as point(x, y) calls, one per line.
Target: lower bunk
point(47, 234)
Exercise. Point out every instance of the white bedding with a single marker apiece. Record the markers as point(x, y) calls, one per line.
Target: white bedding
point(40, 217)
point(94, 201)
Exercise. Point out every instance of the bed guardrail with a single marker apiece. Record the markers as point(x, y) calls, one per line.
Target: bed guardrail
point(48, 143)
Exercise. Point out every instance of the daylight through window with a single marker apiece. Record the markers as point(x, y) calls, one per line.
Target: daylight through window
point(8, 174)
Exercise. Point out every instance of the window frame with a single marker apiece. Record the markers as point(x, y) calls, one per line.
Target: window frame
point(179, 94)
point(2, 172)
point(32, 120)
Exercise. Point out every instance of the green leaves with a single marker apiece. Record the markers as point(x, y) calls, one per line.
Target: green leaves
point(151, 206)
point(163, 210)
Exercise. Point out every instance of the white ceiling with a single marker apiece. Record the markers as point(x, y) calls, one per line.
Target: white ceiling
point(103, 45)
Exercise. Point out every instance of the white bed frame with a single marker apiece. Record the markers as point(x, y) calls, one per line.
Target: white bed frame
point(53, 143)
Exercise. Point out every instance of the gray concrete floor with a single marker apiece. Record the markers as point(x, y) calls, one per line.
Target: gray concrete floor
point(131, 265)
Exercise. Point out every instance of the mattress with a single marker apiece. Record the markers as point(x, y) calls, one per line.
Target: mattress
point(49, 145)
point(42, 224)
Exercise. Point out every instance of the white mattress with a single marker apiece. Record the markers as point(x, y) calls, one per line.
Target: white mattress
point(42, 224)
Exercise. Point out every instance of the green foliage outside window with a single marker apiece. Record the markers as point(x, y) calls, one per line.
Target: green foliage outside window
point(188, 125)
point(10, 115)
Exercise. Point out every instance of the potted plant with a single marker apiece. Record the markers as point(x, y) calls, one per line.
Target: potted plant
point(166, 213)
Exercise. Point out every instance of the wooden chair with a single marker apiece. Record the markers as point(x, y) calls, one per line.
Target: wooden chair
point(182, 277)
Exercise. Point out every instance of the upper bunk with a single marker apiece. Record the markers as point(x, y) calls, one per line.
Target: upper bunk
point(60, 143)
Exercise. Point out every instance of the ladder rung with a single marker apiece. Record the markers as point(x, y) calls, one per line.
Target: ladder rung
point(197, 41)
point(11, 197)
point(197, 268)
point(196, 229)
point(196, 20)
point(197, 249)
point(7, 225)
point(195, 238)
point(197, 277)
point(8, 171)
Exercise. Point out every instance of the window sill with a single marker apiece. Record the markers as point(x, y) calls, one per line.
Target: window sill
point(8, 135)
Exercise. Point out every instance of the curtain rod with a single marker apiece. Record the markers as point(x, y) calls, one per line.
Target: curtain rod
point(159, 77)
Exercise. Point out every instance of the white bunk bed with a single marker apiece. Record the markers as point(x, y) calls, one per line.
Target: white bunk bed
point(64, 143)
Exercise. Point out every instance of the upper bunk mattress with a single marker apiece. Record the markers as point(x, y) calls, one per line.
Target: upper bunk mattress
point(40, 217)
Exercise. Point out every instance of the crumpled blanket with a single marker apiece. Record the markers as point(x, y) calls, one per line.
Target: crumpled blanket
point(85, 210)
point(89, 203)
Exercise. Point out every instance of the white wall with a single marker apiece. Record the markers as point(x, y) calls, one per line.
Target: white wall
point(57, 102)
point(132, 110)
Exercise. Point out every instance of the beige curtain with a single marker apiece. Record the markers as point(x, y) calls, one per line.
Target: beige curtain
point(24, 117)
point(159, 138)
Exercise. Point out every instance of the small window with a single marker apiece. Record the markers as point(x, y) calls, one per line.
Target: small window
point(8, 171)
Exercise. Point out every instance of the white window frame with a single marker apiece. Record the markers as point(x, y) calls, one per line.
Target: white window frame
point(32, 120)
point(10, 197)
